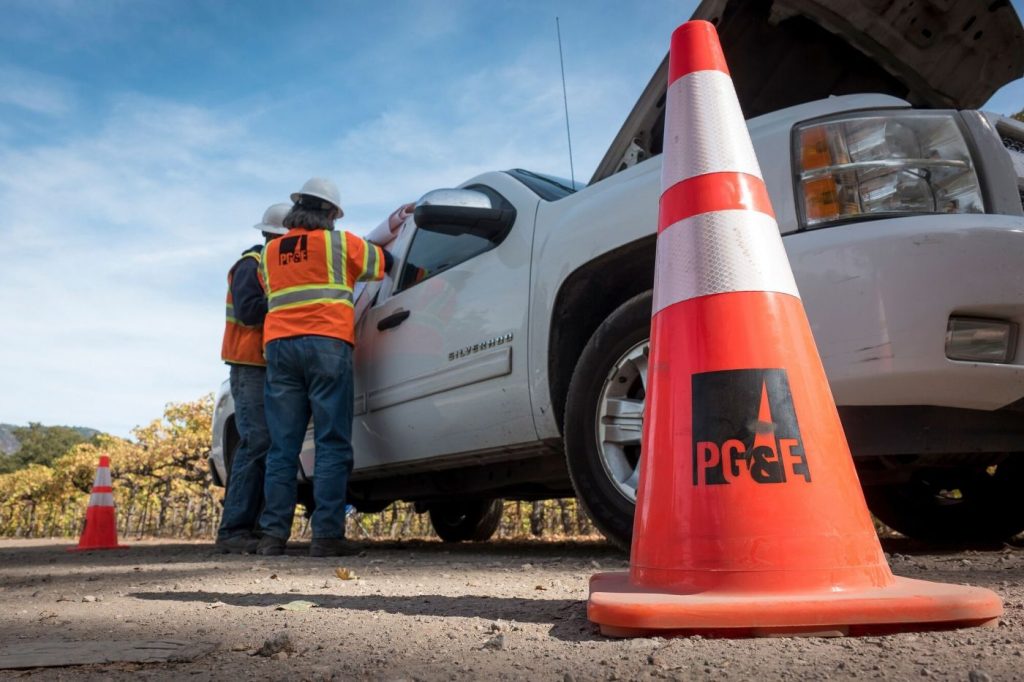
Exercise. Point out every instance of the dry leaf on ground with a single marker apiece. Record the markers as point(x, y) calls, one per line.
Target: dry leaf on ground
point(297, 605)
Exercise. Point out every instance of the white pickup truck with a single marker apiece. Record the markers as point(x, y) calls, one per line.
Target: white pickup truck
point(506, 356)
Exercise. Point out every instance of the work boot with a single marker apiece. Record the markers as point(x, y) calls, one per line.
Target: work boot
point(271, 546)
point(333, 547)
point(245, 543)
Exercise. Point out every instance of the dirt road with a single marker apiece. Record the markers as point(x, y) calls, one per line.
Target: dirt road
point(427, 611)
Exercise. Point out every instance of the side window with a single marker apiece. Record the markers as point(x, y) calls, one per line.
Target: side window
point(434, 252)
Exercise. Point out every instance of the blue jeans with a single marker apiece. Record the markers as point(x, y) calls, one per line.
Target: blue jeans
point(308, 376)
point(244, 497)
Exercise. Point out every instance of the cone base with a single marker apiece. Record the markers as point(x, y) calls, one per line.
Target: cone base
point(93, 549)
point(622, 609)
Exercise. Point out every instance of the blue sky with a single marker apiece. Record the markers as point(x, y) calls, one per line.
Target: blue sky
point(139, 141)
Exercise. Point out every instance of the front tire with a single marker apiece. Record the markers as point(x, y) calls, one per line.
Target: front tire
point(474, 521)
point(604, 418)
point(960, 506)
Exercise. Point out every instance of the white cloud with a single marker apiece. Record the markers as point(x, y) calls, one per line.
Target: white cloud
point(34, 91)
point(494, 119)
point(429, 21)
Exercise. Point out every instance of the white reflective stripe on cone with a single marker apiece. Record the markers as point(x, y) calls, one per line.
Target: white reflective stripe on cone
point(102, 477)
point(101, 500)
point(704, 130)
point(720, 252)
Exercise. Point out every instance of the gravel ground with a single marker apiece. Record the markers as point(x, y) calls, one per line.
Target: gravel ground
point(428, 611)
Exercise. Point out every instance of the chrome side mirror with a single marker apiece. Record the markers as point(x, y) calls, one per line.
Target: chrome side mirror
point(462, 211)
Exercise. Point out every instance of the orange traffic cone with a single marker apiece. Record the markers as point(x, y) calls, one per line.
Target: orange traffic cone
point(100, 531)
point(750, 518)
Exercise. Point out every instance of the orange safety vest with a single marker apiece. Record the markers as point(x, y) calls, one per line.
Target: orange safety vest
point(309, 276)
point(243, 344)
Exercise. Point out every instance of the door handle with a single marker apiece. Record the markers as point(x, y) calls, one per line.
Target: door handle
point(393, 320)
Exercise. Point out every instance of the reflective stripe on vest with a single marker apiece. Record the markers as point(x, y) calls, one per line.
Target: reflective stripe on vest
point(312, 293)
point(243, 344)
point(309, 276)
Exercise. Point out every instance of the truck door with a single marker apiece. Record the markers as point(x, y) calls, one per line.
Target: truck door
point(441, 355)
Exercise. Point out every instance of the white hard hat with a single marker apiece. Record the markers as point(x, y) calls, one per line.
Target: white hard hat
point(273, 219)
point(321, 188)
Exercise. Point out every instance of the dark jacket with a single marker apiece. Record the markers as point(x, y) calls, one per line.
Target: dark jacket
point(246, 292)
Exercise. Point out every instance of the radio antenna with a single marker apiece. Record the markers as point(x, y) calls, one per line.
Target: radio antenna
point(565, 100)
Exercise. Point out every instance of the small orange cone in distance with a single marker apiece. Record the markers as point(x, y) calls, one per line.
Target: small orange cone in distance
point(100, 531)
point(750, 518)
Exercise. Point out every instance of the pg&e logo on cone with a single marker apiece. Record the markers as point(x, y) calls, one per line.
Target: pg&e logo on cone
point(744, 426)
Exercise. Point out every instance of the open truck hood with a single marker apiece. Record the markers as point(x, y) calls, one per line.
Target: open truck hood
point(932, 53)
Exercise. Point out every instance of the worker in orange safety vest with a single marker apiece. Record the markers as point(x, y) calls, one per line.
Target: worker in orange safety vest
point(242, 350)
point(309, 275)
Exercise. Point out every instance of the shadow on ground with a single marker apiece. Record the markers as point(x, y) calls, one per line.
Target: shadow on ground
point(189, 552)
point(149, 549)
point(567, 617)
point(51, 566)
point(902, 545)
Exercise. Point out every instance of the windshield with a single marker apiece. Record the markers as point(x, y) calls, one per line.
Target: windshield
point(549, 187)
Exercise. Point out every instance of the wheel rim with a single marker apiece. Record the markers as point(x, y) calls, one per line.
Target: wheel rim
point(620, 418)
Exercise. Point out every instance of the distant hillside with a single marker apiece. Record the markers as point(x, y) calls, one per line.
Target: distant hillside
point(9, 444)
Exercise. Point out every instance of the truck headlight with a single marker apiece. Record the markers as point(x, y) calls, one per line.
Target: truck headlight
point(877, 164)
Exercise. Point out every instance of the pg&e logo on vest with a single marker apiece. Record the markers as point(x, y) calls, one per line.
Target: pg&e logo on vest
point(744, 426)
point(293, 250)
